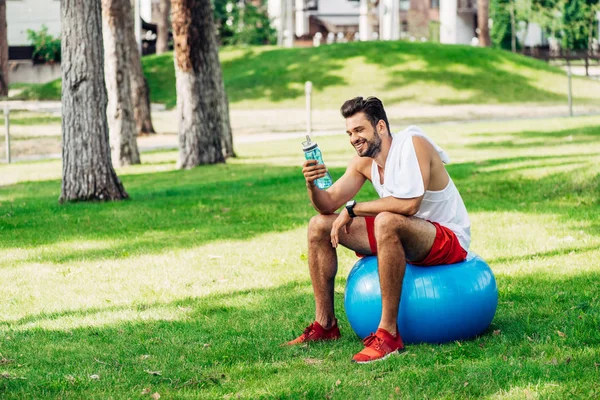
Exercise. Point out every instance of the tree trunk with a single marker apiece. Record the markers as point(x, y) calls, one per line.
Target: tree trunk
point(162, 26)
point(483, 12)
point(513, 28)
point(140, 94)
point(3, 50)
point(87, 172)
point(120, 109)
point(204, 127)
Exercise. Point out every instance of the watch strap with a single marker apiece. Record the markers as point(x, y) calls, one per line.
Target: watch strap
point(350, 209)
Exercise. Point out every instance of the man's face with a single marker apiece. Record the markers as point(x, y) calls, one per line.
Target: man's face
point(363, 137)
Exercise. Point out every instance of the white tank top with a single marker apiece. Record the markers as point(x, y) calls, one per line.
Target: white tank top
point(403, 180)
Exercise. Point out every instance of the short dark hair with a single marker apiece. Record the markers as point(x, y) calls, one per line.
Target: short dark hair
point(372, 107)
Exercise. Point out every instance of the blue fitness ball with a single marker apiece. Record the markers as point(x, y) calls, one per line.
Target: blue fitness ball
point(438, 304)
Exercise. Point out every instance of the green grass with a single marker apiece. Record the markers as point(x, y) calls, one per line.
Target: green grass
point(408, 73)
point(19, 117)
point(39, 91)
point(188, 289)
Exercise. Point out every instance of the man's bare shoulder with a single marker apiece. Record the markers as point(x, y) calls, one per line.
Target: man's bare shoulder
point(422, 144)
point(362, 165)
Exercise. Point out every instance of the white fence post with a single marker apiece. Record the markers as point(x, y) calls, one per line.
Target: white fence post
point(7, 129)
point(570, 89)
point(308, 91)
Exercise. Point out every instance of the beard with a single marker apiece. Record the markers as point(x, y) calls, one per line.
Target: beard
point(371, 148)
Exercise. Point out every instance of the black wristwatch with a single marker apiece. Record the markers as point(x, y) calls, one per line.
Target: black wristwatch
point(350, 207)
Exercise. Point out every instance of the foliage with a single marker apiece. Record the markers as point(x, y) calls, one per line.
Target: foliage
point(579, 24)
point(188, 289)
point(46, 48)
point(500, 32)
point(243, 23)
point(573, 21)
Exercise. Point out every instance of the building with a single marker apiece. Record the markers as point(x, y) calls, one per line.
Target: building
point(355, 19)
point(458, 21)
point(22, 15)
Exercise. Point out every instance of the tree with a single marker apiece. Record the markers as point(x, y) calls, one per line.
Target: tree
point(162, 27)
point(579, 23)
point(483, 11)
point(570, 21)
point(3, 50)
point(243, 22)
point(120, 109)
point(506, 16)
point(139, 87)
point(204, 128)
point(87, 172)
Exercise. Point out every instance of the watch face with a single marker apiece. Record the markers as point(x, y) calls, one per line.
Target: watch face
point(350, 203)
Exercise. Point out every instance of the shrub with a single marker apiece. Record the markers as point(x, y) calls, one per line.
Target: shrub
point(46, 48)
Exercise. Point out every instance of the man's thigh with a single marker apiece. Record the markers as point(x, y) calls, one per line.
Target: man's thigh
point(416, 234)
point(357, 238)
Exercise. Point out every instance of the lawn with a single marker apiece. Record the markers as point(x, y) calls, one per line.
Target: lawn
point(23, 117)
point(408, 73)
point(188, 289)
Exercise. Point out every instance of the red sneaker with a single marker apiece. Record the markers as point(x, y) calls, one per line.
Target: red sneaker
point(315, 332)
point(378, 346)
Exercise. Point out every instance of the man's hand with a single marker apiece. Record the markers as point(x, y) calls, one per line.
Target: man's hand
point(313, 171)
point(343, 220)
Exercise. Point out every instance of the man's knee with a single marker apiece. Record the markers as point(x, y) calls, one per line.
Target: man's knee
point(389, 226)
point(320, 226)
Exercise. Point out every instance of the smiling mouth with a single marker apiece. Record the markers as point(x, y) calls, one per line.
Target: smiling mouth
point(359, 145)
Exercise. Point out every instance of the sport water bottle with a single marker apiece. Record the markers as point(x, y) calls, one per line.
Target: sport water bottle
point(312, 152)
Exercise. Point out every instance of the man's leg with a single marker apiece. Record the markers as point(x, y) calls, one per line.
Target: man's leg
point(399, 238)
point(322, 260)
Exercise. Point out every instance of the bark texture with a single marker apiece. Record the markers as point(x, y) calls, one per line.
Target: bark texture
point(87, 172)
point(140, 95)
point(483, 16)
point(3, 50)
point(163, 25)
point(116, 68)
point(203, 113)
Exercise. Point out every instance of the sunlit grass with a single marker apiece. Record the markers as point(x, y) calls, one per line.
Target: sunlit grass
point(188, 289)
point(267, 77)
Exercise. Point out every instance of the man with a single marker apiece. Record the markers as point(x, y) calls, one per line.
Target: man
point(419, 217)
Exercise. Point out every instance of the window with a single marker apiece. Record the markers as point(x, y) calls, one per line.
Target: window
point(434, 4)
point(404, 5)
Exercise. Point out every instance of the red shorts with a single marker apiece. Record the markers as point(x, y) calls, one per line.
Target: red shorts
point(446, 248)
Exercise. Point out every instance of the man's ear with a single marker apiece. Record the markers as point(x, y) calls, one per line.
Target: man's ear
point(381, 127)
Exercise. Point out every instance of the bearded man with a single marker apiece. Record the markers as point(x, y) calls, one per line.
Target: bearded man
point(419, 217)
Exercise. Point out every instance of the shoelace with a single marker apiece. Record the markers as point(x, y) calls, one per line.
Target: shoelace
point(375, 340)
point(308, 330)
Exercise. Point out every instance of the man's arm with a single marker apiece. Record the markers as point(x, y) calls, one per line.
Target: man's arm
point(344, 189)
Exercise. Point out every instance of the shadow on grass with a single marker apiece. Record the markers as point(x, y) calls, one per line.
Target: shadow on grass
point(184, 209)
point(529, 139)
point(196, 206)
point(280, 74)
point(483, 75)
point(543, 254)
point(230, 343)
point(501, 190)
